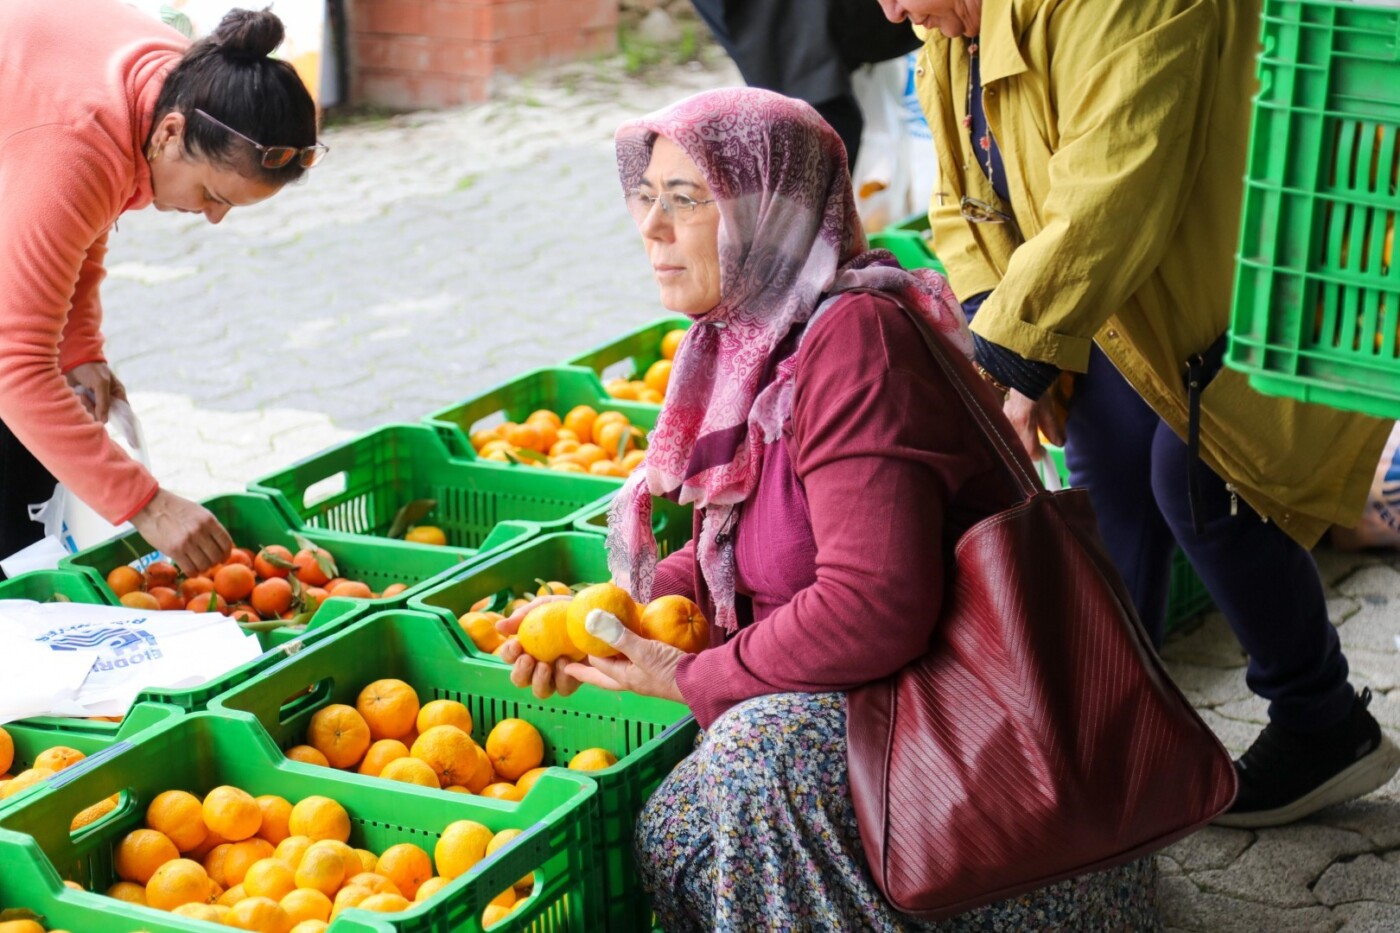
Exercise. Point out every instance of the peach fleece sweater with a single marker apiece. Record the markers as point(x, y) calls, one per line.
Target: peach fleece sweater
point(78, 85)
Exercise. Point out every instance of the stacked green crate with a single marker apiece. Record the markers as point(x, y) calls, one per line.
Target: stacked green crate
point(1317, 292)
point(648, 736)
point(201, 751)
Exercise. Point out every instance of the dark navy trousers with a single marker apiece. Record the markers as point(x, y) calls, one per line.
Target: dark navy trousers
point(1266, 584)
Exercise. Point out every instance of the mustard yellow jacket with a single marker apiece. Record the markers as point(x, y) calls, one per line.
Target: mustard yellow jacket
point(1123, 125)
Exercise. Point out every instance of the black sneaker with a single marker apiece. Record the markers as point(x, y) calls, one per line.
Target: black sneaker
point(1287, 775)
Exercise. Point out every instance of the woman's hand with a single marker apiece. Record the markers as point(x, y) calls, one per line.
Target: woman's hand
point(648, 668)
point(102, 384)
point(184, 531)
point(544, 679)
point(1031, 418)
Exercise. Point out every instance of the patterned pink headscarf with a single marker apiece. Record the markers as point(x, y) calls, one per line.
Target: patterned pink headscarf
point(789, 238)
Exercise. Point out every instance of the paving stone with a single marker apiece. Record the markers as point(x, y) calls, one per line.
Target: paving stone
point(1211, 645)
point(1379, 671)
point(1336, 566)
point(1370, 582)
point(1209, 686)
point(1369, 917)
point(1366, 878)
point(1281, 863)
point(1212, 847)
point(1233, 734)
point(1341, 608)
point(1166, 865)
point(1253, 710)
point(1375, 817)
point(1374, 626)
point(1184, 906)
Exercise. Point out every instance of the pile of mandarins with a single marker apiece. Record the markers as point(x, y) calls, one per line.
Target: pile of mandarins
point(556, 629)
point(271, 583)
point(651, 388)
point(582, 441)
point(388, 734)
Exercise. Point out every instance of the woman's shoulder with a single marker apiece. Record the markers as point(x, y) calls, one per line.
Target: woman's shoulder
point(867, 335)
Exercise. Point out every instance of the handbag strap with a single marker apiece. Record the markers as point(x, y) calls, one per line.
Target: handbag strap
point(1006, 446)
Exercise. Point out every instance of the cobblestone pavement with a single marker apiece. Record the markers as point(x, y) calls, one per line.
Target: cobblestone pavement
point(433, 255)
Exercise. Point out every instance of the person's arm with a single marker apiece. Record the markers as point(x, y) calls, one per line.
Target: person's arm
point(880, 455)
point(52, 218)
point(675, 574)
point(82, 335)
point(1131, 87)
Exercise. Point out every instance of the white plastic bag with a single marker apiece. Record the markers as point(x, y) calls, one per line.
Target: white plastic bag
point(72, 659)
point(70, 524)
point(895, 171)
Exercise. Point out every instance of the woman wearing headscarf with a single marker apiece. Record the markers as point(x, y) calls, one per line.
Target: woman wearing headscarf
point(826, 515)
point(105, 111)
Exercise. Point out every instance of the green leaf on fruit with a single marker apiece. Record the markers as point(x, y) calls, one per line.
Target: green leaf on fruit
point(323, 559)
point(276, 560)
point(499, 601)
point(521, 454)
point(259, 628)
point(410, 515)
point(58, 598)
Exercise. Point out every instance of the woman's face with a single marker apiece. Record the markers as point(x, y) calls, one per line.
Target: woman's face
point(953, 18)
point(181, 182)
point(683, 246)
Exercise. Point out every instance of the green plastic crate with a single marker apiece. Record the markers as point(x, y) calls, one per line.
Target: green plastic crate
point(28, 881)
point(631, 355)
point(649, 736)
point(672, 523)
point(43, 586)
point(909, 241)
point(558, 389)
point(357, 488)
point(81, 585)
point(1317, 300)
point(1187, 595)
point(255, 521)
point(32, 736)
point(202, 751)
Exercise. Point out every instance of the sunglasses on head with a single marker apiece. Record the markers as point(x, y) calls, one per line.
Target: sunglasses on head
point(276, 156)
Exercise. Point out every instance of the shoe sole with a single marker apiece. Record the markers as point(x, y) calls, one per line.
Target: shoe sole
point(1366, 775)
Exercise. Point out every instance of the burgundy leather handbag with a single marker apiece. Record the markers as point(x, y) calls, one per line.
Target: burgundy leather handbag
point(1040, 737)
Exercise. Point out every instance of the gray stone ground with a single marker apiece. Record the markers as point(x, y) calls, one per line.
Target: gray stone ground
point(434, 255)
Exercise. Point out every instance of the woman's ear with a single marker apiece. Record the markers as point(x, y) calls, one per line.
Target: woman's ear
point(171, 127)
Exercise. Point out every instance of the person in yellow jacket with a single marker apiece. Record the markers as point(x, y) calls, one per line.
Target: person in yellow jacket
point(1091, 156)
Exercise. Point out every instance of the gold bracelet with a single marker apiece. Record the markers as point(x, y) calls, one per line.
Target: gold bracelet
point(982, 371)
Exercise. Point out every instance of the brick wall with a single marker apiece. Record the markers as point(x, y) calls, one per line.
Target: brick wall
point(410, 54)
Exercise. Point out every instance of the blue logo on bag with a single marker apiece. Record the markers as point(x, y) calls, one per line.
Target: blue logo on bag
point(116, 637)
point(118, 646)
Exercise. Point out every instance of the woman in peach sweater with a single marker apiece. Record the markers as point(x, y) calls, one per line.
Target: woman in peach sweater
point(106, 110)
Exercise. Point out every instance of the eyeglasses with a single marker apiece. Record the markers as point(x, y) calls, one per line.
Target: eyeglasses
point(677, 207)
point(276, 156)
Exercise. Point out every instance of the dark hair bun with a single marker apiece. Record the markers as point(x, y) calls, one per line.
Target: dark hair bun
point(249, 34)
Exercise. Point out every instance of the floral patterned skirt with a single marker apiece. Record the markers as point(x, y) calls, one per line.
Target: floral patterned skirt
point(756, 831)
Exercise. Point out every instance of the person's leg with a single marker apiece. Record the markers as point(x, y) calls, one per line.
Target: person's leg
point(675, 851)
point(1268, 588)
point(23, 482)
point(1321, 746)
point(1109, 453)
